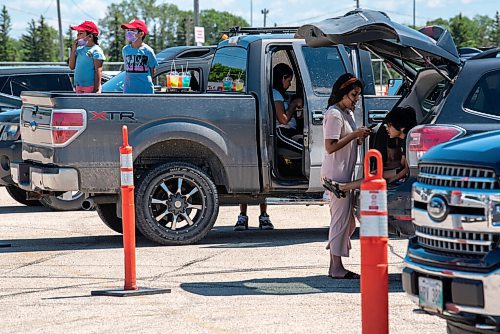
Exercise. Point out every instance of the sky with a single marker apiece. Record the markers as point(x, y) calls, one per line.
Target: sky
point(281, 12)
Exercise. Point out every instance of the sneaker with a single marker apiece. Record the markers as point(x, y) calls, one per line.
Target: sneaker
point(242, 223)
point(265, 222)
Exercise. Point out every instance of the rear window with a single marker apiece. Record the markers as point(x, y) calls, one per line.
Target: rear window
point(484, 96)
point(41, 82)
point(325, 66)
point(228, 71)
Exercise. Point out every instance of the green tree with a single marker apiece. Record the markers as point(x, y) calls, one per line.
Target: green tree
point(484, 29)
point(462, 30)
point(7, 50)
point(495, 31)
point(40, 42)
point(215, 22)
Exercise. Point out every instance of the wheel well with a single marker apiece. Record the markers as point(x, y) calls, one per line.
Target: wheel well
point(186, 151)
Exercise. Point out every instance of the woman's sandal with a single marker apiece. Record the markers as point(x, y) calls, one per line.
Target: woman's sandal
point(348, 275)
point(334, 188)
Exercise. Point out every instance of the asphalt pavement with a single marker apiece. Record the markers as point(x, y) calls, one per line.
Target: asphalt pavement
point(231, 282)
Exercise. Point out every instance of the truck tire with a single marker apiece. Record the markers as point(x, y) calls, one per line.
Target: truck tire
point(19, 195)
point(70, 201)
point(176, 204)
point(107, 213)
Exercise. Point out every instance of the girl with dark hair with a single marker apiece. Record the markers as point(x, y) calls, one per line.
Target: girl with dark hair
point(341, 139)
point(286, 125)
point(398, 122)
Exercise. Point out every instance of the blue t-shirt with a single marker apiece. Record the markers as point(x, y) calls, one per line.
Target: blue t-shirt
point(292, 124)
point(84, 66)
point(138, 63)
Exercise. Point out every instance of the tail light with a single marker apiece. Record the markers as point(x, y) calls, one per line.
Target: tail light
point(66, 125)
point(422, 138)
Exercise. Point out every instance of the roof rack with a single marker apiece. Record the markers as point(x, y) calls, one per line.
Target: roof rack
point(257, 31)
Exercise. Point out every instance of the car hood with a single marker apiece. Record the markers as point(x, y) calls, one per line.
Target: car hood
point(374, 30)
point(10, 116)
point(482, 150)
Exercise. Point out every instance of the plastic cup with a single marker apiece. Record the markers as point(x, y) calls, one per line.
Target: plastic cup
point(186, 79)
point(239, 85)
point(174, 79)
point(228, 84)
point(169, 84)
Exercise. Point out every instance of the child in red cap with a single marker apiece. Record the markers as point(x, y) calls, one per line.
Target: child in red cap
point(86, 58)
point(139, 59)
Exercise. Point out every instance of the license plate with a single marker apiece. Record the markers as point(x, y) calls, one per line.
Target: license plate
point(430, 293)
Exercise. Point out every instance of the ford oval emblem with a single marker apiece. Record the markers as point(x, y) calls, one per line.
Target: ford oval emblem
point(33, 125)
point(437, 208)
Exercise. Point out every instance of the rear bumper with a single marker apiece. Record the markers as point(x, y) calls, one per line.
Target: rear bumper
point(31, 177)
point(9, 151)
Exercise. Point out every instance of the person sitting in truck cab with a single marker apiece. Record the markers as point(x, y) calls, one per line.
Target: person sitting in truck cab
point(286, 122)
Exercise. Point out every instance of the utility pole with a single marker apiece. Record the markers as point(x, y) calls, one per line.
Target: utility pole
point(251, 13)
point(61, 46)
point(357, 3)
point(196, 13)
point(265, 11)
point(414, 26)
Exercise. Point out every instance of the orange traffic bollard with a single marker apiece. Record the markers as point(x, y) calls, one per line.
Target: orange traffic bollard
point(128, 210)
point(128, 221)
point(373, 235)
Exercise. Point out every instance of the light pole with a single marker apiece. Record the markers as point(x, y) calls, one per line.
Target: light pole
point(251, 13)
point(264, 12)
point(357, 3)
point(61, 46)
point(414, 26)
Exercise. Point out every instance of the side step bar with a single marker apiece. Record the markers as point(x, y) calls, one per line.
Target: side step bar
point(295, 201)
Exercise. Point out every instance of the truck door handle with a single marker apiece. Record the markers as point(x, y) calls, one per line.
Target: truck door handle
point(377, 116)
point(317, 117)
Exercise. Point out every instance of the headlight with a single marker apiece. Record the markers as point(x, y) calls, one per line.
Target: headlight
point(10, 132)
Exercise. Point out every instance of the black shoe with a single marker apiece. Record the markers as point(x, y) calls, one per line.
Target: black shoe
point(242, 223)
point(334, 188)
point(265, 222)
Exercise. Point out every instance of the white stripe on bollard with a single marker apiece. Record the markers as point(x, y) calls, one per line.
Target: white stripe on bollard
point(127, 178)
point(126, 161)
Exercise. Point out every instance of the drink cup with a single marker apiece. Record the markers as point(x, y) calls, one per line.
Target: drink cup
point(186, 79)
point(239, 85)
point(169, 84)
point(228, 84)
point(174, 79)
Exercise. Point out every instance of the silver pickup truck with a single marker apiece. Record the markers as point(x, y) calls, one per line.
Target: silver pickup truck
point(196, 151)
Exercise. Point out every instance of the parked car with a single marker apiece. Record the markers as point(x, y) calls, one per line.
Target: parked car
point(452, 267)
point(443, 91)
point(13, 80)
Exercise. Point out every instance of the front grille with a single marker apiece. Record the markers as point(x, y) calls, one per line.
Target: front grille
point(457, 177)
point(460, 243)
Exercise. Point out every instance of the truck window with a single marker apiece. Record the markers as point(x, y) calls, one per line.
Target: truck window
point(324, 65)
point(42, 82)
point(4, 85)
point(228, 71)
point(484, 96)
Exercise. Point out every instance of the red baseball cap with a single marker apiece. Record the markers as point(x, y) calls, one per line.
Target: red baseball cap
point(87, 26)
point(136, 24)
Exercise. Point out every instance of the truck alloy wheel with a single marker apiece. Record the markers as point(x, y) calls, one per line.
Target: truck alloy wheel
point(176, 204)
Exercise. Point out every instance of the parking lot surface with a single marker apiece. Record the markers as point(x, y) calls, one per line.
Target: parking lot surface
point(232, 282)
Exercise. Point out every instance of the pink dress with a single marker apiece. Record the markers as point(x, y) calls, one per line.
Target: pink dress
point(339, 166)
